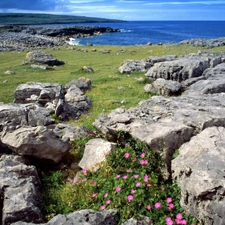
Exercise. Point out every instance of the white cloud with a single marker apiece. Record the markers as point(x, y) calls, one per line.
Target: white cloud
point(186, 3)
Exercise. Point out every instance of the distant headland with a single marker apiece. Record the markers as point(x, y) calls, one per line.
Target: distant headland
point(39, 19)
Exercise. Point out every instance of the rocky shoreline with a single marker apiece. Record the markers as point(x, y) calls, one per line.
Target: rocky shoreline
point(20, 38)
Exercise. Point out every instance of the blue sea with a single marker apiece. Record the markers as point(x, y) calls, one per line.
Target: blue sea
point(142, 32)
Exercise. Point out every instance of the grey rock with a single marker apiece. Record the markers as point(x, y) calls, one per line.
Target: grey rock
point(38, 142)
point(45, 92)
point(83, 217)
point(165, 123)
point(43, 58)
point(95, 152)
point(183, 68)
point(164, 87)
point(88, 69)
point(144, 221)
point(70, 132)
point(9, 72)
point(199, 171)
point(42, 67)
point(19, 184)
point(134, 66)
point(214, 82)
point(14, 115)
point(83, 83)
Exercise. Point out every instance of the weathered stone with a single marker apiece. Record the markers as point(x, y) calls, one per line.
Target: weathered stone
point(165, 123)
point(83, 217)
point(88, 69)
point(19, 185)
point(9, 72)
point(134, 66)
point(83, 83)
point(17, 115)
point(45, 92)
point(214, 82)
point(183, 68)
point(42, 67)
point(70, 132)
point(43, 58)
point(38, 142)
point(94, 154)
point(164, 87)
point(143, 221)
point(199, 171)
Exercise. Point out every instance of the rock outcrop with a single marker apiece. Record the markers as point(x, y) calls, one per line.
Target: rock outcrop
point(199, 170)
point(95, 153)
point(19, 188)
point(83, 217)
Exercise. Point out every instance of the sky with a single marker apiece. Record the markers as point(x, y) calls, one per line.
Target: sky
point(123, 9)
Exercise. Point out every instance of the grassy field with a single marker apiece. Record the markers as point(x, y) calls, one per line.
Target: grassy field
point(106, 80)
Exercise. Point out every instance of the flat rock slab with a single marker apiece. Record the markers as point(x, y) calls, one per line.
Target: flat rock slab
point(199, 170)
point(165, 123)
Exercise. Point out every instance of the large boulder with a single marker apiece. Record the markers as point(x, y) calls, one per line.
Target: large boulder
point(199, 171)
point(214, 82)
point(183, 68)
point(83, 83)
point(38, 92)
point(43, 58)
point(38, 142)
point(83, 217)
point(95, 152)
point(134, 66)
point(19, 189)
point(13, 116)
point(164, 87)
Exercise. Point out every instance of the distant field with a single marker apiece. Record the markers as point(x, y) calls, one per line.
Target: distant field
point(32, 19)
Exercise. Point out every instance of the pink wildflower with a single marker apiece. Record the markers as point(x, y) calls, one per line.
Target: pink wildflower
point(128, 171)
point(108, 202)
point(142, 155)
point(138, 184)
point(126, 155)
point(157, 205)
point(130, 198)
point(148, 207)
point(125, 177)
point(145, 178)
point(149, 185)
point(142, 162)
point(102, 207)
point(78, 147)
point(162, 188)
point(136, 176)
point(171, 206)
point(146, 162)
point(169, 221)
point(118, 188)
point(106, 195)
point(133, 191)
point(118, 176)
point(94, 182)
point(85, 171)
point(169, 200)
point(94, 195)
point(179, 216)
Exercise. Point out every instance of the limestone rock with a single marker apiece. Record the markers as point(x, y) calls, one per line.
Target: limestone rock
point(94, 154)
point(38, 142)
point(214, 82)
point(83, 217)
point(20, 185)
point(45, 92)
point(43, 58)
point(164, 87)
point(134, 66)
point(199, 171)
point(83, 83)
point(88, 69)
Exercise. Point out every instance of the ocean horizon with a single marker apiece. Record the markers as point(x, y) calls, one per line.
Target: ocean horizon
point(143, 32)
